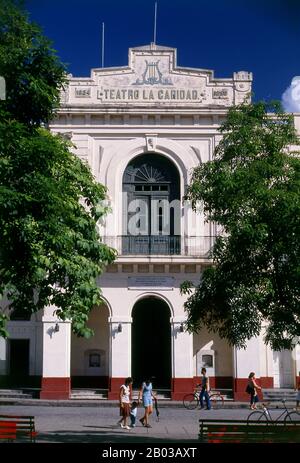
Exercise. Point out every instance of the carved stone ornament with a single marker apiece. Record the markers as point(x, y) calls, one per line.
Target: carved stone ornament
point(64, 94)
point(243, 87)
point(151, 141)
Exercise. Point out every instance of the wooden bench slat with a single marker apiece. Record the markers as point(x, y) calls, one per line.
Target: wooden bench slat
point(218, 431)
point(252, 429)
point(9, 417)
point(250, 435)
point(13, 426)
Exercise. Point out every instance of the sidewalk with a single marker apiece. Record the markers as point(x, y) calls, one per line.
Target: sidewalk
point(96, 421)
point(114, 403)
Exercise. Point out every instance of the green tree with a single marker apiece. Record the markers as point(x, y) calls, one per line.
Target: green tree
point(50, 204)
point(33, 73)
point(251, 188)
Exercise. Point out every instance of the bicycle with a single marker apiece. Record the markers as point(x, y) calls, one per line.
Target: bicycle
point(264, 415)
point(192, 400)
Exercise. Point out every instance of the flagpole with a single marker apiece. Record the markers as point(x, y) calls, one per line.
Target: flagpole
point(102, 45)
point(155, 20)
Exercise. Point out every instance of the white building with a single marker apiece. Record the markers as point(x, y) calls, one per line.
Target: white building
point(142, 128)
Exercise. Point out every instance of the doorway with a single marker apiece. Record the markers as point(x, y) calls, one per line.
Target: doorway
point(19, 362)
point(283, 369)
point(151, 343)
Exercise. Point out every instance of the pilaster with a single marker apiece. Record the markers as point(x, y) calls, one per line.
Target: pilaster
point(56, 382)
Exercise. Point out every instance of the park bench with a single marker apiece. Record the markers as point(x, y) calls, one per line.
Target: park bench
point(17, 427)
point(239, 431)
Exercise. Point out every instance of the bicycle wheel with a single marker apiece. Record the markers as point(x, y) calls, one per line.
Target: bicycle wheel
point(190, 401)
point(257, 416)
point(217, 401)
point(292, 418)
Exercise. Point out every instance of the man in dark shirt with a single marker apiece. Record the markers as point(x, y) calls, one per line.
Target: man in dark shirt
point(205, 390)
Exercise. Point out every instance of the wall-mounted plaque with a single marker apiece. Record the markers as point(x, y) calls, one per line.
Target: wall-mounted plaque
point(82, 92)
point(163, 283)
point(220, 93)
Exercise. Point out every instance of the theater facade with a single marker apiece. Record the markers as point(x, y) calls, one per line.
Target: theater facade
point(142, 128)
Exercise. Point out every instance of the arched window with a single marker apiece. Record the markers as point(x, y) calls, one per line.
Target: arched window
point(151, 206)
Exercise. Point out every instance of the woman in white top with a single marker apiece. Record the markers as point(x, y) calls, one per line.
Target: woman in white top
point(125, 393)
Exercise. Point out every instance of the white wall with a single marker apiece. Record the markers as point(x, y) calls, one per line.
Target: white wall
point(109, 149)
point(205, 341)
point(248, 360)
point(56, 346)
point(297, 122)
point(182, 350)
point(32, 330)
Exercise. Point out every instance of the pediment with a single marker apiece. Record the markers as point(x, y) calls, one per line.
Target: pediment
point(152, 77)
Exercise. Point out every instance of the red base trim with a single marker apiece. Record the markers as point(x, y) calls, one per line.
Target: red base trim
point(240, 393)
point(180, 387)
point(267, 382)
point(55, 388)
point(217, 382)
point(114, 388)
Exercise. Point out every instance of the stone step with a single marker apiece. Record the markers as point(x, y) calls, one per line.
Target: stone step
point(88, 394)
point(14, 394)
point(279, 394)
point(279, 398)
point(164, 394)
point(10, 391)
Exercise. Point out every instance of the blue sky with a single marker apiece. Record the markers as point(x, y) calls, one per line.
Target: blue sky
point(223, 35)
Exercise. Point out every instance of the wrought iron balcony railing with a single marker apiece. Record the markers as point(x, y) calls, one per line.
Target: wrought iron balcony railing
point(198, 246)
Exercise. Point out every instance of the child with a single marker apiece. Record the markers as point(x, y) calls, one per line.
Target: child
point(133, 412)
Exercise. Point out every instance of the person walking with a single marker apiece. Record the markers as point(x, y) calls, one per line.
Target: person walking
point(124, 398)
point(298, 395)
point(252, 388)
point(133, 413)
point(205, 388)
point(147, 396)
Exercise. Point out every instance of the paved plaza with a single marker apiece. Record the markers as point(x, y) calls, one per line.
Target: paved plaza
point(98, 423)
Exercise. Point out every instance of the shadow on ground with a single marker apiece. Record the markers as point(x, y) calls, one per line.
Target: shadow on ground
point(105, 435)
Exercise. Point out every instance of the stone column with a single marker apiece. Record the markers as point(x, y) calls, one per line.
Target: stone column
point(297, 362)
point(56, 381)
point(120, 353)
point(245, 361)
point(182, 359)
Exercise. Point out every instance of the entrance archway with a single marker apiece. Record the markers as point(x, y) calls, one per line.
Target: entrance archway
point(151, 342)
point(90, 357)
